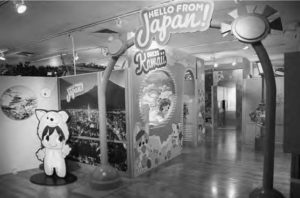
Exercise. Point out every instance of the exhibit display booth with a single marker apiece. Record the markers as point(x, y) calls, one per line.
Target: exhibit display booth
point(155, 106)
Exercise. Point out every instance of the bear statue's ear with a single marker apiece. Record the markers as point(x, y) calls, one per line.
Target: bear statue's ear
point(40, 113)
point(64, 115)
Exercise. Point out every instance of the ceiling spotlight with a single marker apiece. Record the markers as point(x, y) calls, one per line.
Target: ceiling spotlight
point(118, 22)
point(76, 57)
point(110, 38)
point(2, 56)
point(21, 7)
point(216, 65)
point(234, 63)
point(246, 47)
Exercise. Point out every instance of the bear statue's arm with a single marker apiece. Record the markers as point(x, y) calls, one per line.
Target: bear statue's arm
point(40, 154)
point(66, 150)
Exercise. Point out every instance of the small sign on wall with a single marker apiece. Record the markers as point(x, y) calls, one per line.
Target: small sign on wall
point(149, 60)
point(74, 89)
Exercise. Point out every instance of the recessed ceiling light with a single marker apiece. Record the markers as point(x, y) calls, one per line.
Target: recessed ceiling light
point(216, 65)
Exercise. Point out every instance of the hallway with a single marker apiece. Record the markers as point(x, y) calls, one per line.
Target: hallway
point(220, 168)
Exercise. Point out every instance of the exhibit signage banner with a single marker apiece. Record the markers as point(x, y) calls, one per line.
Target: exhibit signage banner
point(149, 60)
point(180, 17)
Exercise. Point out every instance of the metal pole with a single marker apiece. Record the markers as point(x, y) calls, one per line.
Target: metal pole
point(262, 135)
point(73, 52)
point(269, 140)
point(267, 190)
point(262, 89)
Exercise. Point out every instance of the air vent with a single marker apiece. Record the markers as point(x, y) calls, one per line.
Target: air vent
point(106, 31)
point(25, 53)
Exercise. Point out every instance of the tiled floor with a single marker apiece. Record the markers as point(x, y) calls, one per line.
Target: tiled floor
point(220, 168)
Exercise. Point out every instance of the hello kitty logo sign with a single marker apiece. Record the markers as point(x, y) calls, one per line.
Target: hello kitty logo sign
point(179, 17)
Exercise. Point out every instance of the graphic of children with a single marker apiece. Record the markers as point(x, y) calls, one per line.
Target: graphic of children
point(164, 106)
point(143, 149)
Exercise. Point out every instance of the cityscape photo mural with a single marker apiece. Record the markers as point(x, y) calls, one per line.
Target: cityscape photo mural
point(116, 121)
point(79, 97)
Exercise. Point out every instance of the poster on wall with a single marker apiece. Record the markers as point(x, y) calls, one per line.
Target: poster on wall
point(18, 102)
point(79, 97)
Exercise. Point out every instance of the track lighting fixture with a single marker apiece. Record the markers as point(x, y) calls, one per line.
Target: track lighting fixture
point(76, 57)
point(2, 57)
point(245, 47)
point(118, 22)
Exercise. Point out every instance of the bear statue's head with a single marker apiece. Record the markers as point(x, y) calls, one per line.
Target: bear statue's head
point(52, 127)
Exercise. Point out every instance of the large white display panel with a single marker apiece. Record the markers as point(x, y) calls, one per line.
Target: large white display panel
point(20, 96)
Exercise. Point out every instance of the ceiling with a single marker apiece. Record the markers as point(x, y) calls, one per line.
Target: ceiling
point(42, 34)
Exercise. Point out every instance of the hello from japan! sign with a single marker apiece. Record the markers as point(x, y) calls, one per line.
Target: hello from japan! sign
point(179, 17)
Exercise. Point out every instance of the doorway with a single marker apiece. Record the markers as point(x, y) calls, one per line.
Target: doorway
point(226, 97)
point(189, 110)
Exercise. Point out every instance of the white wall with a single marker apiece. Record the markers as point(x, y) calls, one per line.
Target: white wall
point(18, 138)
point(229, 95)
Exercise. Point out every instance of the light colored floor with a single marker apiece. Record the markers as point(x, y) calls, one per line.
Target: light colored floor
point(220, 168)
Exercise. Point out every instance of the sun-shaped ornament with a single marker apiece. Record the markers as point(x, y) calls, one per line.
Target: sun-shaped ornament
point(252, 23)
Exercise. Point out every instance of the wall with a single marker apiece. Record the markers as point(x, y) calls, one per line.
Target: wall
point(251, 99)
point(292, 103)
point(18, 138)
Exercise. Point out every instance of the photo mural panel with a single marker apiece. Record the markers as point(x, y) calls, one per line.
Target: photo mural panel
point(157, 78)
point(79, 97)
point(115, 107)
point(116, 120)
